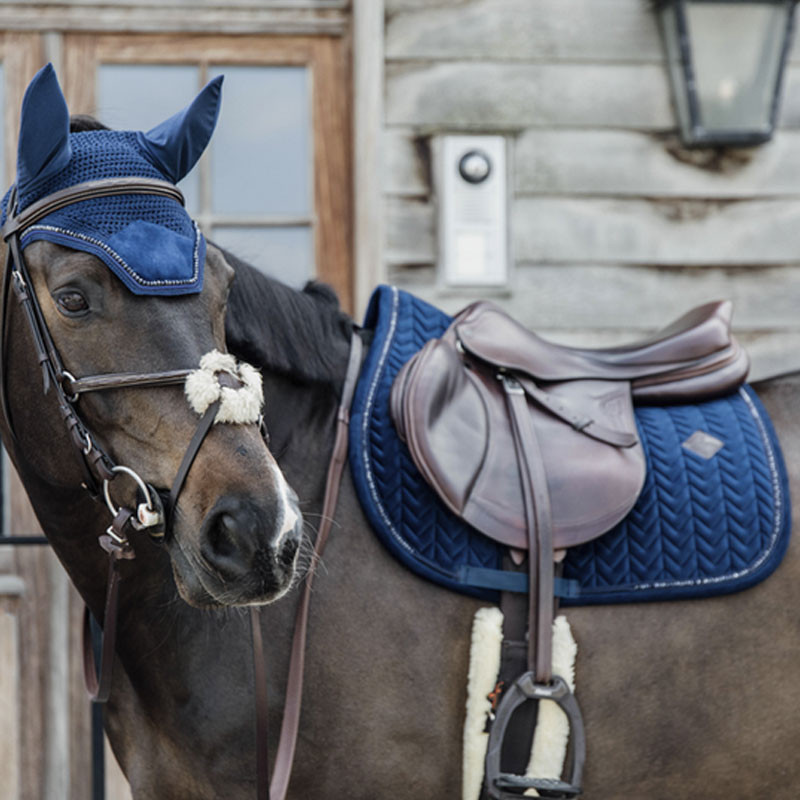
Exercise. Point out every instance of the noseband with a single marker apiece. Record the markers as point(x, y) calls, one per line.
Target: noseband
point(99, 469)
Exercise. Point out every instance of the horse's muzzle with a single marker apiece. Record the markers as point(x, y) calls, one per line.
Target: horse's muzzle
point(250, 552)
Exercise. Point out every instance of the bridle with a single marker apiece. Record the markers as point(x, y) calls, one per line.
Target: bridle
point(99, 469)
point(153, 514)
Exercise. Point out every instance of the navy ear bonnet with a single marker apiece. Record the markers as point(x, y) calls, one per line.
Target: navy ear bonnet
point(149, 242)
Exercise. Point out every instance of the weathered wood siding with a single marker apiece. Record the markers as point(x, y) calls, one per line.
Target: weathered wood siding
point(615, 227)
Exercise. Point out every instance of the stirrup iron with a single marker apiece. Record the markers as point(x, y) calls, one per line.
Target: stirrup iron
point(508, 786)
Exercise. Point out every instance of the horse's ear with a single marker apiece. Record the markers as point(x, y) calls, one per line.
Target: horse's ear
point(175, 145)
point(44, 147)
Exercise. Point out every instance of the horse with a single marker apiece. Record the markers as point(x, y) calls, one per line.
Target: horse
point(681, 699)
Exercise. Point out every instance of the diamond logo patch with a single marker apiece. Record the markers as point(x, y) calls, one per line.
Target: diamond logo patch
point(703, 444)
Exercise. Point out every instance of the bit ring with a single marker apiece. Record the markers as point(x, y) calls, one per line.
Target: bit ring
point(139, 482)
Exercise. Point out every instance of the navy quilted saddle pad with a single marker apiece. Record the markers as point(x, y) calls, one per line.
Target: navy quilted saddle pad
point(701, 526)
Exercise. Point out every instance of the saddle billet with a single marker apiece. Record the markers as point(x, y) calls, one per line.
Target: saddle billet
point(535, 445)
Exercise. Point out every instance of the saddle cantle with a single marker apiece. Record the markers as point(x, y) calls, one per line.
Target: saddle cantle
point(451, 409)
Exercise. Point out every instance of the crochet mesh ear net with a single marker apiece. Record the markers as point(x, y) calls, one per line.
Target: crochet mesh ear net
point(90, 224)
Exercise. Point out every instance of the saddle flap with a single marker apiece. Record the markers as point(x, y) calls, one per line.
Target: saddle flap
point(455, 420)
point(444, 421)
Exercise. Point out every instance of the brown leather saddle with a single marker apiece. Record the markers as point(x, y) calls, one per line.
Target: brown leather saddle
point(535, 445)
point(449, 405)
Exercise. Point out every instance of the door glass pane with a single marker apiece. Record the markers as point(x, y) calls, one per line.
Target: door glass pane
point(137, 97)
point(261, 151)
point(282, 253)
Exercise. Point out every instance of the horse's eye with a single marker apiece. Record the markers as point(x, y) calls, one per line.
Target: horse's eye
point(72, 302)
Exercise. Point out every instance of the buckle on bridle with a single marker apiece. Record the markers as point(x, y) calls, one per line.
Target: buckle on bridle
point(20, 286)
point(114, 541)
point(65, 378)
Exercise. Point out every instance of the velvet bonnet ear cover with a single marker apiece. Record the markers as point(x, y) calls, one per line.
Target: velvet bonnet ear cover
point(149, 242)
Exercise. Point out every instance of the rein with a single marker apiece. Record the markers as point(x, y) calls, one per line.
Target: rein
point(290, 724)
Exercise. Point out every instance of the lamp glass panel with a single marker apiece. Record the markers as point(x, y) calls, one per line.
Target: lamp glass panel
point(736, 55)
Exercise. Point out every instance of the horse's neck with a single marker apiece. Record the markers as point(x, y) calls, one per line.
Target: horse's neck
point(303, 354)
point(301, 420)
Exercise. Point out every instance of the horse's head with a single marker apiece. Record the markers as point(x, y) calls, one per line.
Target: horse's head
point(124, 287)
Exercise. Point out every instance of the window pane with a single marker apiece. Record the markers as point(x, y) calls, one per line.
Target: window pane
point(137, 97)
point(282, 253)
point(261, 151)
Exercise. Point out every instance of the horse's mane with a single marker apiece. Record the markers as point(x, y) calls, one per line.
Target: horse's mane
point(78, 123)
point(302, 334)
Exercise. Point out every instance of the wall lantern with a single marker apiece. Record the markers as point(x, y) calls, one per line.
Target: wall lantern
point(726, 61)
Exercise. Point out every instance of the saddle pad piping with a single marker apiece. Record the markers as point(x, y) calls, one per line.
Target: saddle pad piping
point(373, 387)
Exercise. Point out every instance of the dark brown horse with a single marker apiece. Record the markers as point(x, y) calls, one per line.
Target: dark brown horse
point(681, 700)
point(684, 699)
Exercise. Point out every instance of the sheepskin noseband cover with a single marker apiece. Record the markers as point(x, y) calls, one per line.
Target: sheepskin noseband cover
point(236, 385)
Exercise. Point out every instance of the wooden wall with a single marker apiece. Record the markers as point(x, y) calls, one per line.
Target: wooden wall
point(615, 227)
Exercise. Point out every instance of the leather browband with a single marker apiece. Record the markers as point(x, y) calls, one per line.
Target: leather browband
point(89, 190)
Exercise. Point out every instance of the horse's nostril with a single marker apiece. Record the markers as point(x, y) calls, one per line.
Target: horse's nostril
point(288, 552)
point(239, 543)
point(222, 535)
